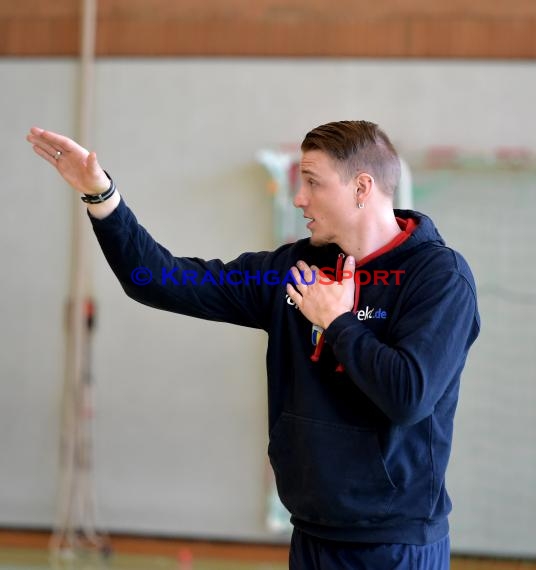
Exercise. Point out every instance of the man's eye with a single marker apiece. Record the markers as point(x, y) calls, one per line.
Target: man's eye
point(312, 182)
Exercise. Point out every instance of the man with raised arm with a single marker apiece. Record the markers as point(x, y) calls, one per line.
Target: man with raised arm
point(369, 323)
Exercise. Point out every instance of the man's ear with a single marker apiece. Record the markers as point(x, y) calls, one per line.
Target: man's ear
point(364, 183)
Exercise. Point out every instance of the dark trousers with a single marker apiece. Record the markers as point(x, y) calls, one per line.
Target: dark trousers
point(310, 553)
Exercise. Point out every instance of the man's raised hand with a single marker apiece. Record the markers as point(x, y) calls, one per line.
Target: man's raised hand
point(79, 167)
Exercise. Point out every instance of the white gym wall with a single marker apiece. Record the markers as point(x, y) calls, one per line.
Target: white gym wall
point(180, 403)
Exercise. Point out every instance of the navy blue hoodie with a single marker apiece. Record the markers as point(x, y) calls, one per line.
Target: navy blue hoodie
point(359, 439)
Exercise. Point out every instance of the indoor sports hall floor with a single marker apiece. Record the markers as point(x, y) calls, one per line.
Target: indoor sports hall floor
point(28, 551)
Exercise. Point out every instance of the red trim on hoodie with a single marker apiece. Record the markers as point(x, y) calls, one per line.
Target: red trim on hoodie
point(407, 226)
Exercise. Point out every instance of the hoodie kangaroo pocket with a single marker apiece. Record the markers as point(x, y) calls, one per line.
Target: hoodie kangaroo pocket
point(328, 473)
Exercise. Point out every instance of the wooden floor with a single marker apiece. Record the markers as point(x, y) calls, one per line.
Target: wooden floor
point(225, 551)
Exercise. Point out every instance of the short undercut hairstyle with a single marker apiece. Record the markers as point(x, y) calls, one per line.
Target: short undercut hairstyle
point(357, 146)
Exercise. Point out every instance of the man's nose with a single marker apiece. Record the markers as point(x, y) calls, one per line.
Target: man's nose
point(300, 198)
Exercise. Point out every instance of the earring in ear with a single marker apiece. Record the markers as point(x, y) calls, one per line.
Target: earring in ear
point(360, 205)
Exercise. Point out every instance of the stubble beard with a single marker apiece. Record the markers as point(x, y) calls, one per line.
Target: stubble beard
point(319, 241)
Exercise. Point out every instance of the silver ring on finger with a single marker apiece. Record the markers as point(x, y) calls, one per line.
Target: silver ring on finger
point(58, 154)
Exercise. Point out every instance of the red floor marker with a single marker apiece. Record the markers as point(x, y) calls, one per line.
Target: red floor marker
point(185, 559)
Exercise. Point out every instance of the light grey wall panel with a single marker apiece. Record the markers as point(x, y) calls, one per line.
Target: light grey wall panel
point(181, 419)
point(34, 237)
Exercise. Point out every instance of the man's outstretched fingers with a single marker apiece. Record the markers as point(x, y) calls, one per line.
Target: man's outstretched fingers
point(294, 295)
point(348, 272)
point(305, 273)
point(44, 154)
point(60, 142)
point(299, 282)
point(42, 144)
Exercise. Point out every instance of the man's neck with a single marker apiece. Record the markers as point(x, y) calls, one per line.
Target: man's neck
point(374, 232)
